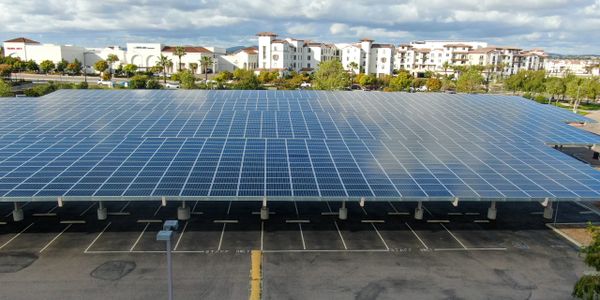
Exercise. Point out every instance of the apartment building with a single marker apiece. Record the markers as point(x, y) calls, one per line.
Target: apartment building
point(577, 67)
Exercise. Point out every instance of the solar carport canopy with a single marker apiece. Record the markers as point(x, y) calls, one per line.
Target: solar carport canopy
point(288, 145)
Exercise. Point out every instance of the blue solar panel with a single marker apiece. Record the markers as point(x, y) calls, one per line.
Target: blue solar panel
point(301, 145)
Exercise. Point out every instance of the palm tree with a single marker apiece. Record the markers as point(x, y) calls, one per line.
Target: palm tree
point(111, 59)
point(193, 67)
point(353, 66)
point(164, 62)
point(179, 52)
point(206, 61)
point(446, 66)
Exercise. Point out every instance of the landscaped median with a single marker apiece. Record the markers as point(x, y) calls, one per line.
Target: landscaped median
point(578, 234)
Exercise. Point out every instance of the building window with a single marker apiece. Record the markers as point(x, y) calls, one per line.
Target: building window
point(264, 52)
point(308, 57)
point(308, 65)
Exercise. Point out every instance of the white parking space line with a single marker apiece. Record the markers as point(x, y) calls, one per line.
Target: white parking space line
point(139, 237)
point(97, 237)
point(2, 223)
point(221, 238)
point(326, 250)
point(157, 210)
point(329, 213)
point(455, 214)
point(452, 234)
point(149, 221)
point(16, 236)
point(381, 237)
point(226, 221)
point(229, 208)
point(43, 215)
point(124, 206)
point(536, 213)
point(53, 209)
point(438, 221)
point(364, 211)
point(472, 214)
point(194, 212)
point(55, 238)
point(180, 235)
point(120, 213)
point(393, 207)
point(400, 213)
point(586, 212)
point(417, 236)
point(481, 221)
point(372, 221)
point(341, 237)
point(296, 208)
point(87, 209)
point(72, 222)
point(297, 221)
point(302, 236)
point(471, 249)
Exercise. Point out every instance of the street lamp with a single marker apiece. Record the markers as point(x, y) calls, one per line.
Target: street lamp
point(167, 235)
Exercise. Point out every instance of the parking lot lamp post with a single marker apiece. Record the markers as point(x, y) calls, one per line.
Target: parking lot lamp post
point(167, 235)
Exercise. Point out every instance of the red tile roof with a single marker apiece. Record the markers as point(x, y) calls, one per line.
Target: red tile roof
point(22, 40)
point(266, 33)
point(188, 49)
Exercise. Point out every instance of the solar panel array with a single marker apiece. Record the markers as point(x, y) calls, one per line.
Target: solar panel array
point(288, 145)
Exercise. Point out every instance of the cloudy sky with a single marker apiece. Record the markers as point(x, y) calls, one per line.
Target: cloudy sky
point(559, 26)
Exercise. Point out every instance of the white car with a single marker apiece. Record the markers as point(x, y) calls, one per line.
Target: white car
point(172, 85)
point(105, 82)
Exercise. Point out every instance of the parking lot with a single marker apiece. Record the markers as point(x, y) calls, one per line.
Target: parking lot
point(220, 236)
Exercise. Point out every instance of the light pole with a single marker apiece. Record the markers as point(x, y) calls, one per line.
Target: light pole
point(167, 235)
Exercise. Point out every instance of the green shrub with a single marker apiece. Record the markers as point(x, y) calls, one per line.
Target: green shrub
point(138, 82)
point(153, 84)
point(540, 99)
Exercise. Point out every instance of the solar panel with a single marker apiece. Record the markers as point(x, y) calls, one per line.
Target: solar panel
point(288, 145)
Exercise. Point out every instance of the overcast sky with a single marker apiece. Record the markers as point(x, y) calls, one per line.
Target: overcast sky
point(559, 26)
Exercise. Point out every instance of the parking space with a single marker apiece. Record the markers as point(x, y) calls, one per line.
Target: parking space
point(229, 227)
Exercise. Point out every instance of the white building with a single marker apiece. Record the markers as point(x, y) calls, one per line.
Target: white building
point(578, 67)
point(27, 49)
point(246, 59)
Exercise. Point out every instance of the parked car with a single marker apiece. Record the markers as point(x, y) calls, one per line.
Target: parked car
point(172, 85)
point(107, 83)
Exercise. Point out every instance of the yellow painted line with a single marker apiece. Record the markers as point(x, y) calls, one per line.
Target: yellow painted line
point(256, 275)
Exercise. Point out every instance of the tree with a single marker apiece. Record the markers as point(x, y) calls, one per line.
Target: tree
point(433, 84)
point(353, 66)
point(31, 66)
point(205, 62)
point(130, 69)
point(267, 77)
point(469, 81)
point(555, 86)
point(164, 62)
point(101, 66)
point(153, 84)
point(179, 52)
point(446, 65)
point(74, 68)
point(534, 81)
point(401, 82)
point(331, 76)
point(138, 82)
point(245, 80)
point(5, 89)
point(368, 81)
point(515, 82)
point(111, 59)
point(5, 70)
point(61, 66)
point(47, 66)
point(588, 286)
point(193, 67)
point(187, 79)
